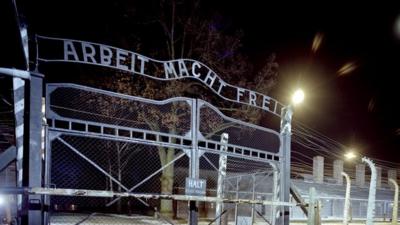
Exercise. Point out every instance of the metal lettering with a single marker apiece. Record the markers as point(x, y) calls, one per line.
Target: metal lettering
point(69, 49)
point(105, 55)
point(266, 102)
point(169, 69)
point(143, 60)
point(240, 92)
point(194, 65)
point(182, 68)
point(252, 98)
point(221, 85)
point(210, 77)
point(88, 52)
point(121, 57)
point(128, 61)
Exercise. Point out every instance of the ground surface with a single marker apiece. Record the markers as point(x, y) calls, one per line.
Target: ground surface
point(102, 219)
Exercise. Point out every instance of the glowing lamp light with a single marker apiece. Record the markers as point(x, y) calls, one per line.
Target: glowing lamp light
point(298, 97)
point(350, 155)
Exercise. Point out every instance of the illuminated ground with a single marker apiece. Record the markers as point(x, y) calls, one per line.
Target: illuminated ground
point(67, 219)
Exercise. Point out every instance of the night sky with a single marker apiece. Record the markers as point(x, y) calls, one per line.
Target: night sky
point(358, 109)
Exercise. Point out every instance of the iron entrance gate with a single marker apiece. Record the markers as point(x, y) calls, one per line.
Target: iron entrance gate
point(100, 140)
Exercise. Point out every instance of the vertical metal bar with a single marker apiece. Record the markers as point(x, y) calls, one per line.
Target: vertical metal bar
point(47, 174)
point(35, 215)
point(194, 159)
point(253, 197)
point(237, 197)
point(285, 151)
point(221, 176)
point(274, 193)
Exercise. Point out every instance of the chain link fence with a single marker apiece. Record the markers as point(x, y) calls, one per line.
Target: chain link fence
point(97, 164)
point(100, 140)
point(8, 175)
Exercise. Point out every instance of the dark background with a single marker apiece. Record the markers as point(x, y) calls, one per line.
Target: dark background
point(359, 109)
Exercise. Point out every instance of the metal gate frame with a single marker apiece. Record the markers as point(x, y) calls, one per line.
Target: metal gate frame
point(275, 160)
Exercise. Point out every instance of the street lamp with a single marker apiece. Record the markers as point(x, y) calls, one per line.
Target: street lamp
point(298, 97)
point(372, 186)
point(286, 132)
point(350, 155)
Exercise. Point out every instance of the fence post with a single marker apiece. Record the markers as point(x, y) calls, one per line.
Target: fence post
point(395, 201)
point(311, 207)
point(372, 191)
point(221, 176)
point(346, 200)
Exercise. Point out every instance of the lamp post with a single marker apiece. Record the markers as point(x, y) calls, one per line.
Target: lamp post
point(286, 132)
point(346, 209)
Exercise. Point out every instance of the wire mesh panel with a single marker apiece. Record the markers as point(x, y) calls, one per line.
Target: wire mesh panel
point(101, 140)
point(82, 103)
point(244, 138)
point(245, 179)
point(8, 174)
point(98, 164)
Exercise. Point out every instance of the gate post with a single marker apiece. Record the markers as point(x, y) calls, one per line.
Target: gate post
point(194, 162)
point(34, 148)
point(221, 176)
point(286, 127)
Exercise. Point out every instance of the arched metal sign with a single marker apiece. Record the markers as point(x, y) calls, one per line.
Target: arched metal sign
point(68, 50)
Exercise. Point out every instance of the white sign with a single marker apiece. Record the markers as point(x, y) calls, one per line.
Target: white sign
point(112, 57)
point(195, 186)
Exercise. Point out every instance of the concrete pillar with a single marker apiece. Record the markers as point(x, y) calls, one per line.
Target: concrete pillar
point(378, 177)
point(360, 175)
point(337, 171)
point(391, 174)
point(318, 169)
